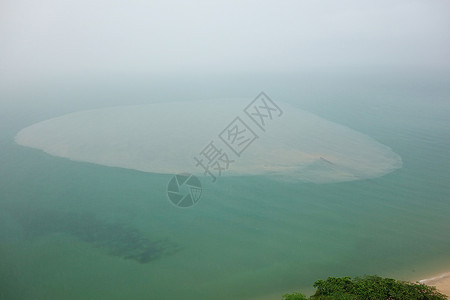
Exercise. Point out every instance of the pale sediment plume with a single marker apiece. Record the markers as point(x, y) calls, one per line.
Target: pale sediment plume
point(165, 138)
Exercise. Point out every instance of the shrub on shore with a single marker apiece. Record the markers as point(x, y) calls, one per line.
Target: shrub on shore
point(368, 288)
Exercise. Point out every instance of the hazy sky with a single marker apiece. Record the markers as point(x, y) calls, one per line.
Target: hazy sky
point(53, 38)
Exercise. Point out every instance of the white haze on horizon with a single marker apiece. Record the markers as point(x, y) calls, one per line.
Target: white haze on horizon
point(49, 39)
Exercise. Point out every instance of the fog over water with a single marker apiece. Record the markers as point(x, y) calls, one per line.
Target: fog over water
point(81, 40)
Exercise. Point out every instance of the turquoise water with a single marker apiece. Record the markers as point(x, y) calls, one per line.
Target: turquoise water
point(71, 230)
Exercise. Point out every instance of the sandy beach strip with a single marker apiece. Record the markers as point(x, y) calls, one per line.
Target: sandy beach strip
point(441, 282)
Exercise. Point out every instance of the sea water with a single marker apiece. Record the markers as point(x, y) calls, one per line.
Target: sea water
point(74, 230)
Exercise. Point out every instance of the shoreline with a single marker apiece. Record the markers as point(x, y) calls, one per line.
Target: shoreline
point(440, 281)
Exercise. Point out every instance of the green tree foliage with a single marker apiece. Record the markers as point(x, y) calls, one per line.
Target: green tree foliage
point(369, 288)
point(294, 296)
